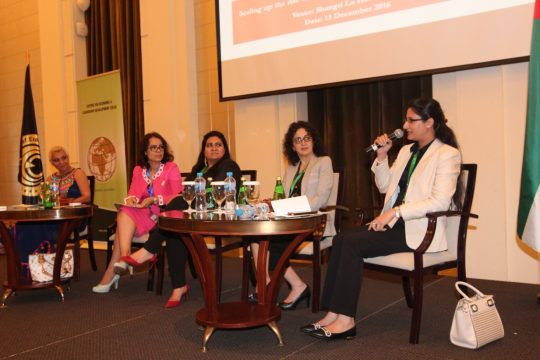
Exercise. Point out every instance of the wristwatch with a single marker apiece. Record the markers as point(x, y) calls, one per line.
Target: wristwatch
point(397, 213)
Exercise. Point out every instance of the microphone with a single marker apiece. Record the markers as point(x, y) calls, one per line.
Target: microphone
point(397, 134)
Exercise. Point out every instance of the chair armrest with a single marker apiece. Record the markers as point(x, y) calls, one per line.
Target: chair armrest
point(334, 207)
point(361, 214)
point(432, 226)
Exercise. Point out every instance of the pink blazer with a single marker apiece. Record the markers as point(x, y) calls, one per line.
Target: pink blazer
point(167, 183)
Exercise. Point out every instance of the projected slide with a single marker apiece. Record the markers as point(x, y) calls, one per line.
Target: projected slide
point(305, 43)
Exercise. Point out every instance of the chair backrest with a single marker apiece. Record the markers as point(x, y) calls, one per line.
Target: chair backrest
point(456, 230)
point(92, 181)
point(339, 196)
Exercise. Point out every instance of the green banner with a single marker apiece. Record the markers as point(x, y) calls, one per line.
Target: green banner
point(101, 135)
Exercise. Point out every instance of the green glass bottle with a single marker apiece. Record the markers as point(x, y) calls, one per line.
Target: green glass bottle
point(210, 202)
point(279, 191)
point(242, 192)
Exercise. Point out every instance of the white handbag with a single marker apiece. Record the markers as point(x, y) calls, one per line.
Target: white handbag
point(476, 320)
point(42, 266)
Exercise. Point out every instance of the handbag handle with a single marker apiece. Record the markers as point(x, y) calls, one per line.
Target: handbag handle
point(41, 244)
point(463, 283)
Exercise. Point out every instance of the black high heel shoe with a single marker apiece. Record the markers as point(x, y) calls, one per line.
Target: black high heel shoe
point(324, 334)
point(305, 295)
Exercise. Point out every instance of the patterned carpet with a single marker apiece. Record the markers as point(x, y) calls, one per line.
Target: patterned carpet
point(131, 323)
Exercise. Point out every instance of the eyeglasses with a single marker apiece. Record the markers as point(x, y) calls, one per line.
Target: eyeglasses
point(217, 145)
point(299, 140)
point(411, 120)
point(156, 148)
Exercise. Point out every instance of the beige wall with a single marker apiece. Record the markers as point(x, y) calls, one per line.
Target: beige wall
point(19, 34)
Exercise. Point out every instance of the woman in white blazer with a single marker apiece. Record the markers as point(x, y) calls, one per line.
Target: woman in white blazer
point(422, 179)
point(308, 173)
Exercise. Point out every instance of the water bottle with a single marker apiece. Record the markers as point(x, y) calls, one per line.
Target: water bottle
point(210, 202)
point(55, 192)
point(279, 191)
point(242, 200)
point(200, 193)
point(230, 194)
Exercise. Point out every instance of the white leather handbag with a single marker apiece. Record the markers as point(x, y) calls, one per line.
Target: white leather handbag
point(476, 320)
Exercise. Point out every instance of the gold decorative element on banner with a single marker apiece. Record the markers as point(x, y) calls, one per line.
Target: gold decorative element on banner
point(102, 158)
point(31, 174)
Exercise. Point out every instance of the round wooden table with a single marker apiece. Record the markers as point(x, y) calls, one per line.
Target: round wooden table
point(69, 219)
point(192, 227)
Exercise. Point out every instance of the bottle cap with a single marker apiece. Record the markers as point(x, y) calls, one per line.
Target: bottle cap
point(229, 173)
point(199, 174)
point(278, 178)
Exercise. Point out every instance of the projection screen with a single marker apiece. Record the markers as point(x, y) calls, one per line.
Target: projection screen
point(273, 46)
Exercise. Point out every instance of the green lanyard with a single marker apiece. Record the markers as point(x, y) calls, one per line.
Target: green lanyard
point(204, 170)
point(412, 166)
point(296, 178)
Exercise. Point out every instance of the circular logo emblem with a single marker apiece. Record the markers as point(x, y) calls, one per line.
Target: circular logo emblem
point(31, 171)
point(102, 159)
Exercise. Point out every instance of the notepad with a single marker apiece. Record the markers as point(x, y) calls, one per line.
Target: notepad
point(297, 204)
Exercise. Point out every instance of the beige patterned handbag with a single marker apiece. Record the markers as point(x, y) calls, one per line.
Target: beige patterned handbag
point(42, 266)
point(476, 320)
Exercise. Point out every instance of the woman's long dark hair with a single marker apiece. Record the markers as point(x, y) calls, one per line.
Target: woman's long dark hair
point(288, 146)
point(142, 159)
point(430, 108)
point(201, 160)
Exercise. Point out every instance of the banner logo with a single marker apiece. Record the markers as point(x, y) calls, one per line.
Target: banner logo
point(31, 169)
point(101, 158)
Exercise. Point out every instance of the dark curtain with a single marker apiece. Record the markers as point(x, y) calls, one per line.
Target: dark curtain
point(349, 118)
point(114, 42)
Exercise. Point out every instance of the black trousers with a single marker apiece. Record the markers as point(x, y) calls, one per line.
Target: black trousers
point(177, 252)
point(345, 269)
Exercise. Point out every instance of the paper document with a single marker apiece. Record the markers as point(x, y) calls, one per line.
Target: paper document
point(298, 204)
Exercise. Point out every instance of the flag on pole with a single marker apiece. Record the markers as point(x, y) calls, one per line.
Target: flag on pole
point(30, 167)
point(529, 200)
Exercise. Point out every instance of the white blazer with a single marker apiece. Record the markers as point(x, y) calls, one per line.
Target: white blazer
point(430, 189)
point(316, 185)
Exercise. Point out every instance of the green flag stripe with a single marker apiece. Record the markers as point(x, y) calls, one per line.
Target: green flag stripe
point(530, 174)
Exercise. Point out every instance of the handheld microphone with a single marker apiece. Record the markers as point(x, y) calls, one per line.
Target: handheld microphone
point(397, 134)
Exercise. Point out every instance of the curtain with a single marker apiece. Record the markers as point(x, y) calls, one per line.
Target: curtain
point(349, 118)
point(114, 42)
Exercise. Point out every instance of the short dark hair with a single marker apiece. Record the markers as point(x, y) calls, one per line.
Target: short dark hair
point(288, 147)
point(143, 146)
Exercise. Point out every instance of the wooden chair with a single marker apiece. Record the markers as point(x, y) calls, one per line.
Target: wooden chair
point(317, 250)
point(419, 263)
point(87, 232)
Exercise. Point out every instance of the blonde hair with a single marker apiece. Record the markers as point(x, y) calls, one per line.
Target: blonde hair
point(55, 149)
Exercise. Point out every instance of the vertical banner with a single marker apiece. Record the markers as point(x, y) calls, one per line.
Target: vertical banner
point(30, 165)
point(101, 136)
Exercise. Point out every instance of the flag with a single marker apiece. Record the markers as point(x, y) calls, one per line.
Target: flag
point(529, 199)
point(30, 167)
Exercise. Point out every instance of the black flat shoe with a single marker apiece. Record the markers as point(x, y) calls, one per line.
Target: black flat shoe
point(253, 298)
point(308, 329)
point(305, 295)
point(324, 334)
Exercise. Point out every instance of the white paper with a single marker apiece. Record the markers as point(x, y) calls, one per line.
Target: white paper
point(297, 204)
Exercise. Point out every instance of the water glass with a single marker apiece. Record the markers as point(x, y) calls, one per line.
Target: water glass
point(188, 193)
point(218, 192)
point(252, 192)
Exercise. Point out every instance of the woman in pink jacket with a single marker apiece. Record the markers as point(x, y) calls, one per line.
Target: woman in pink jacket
point(156, 180)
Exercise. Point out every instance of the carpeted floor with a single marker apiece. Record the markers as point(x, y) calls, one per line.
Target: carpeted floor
point(131, 323)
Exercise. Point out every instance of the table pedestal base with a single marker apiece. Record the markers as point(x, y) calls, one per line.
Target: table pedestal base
point(238, 315)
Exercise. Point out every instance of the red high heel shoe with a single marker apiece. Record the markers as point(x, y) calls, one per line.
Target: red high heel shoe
point(131, 261)
point(175, 303)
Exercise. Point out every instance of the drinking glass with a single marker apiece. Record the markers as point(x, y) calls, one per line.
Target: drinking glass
point(252, 192)
point(218, 192)
point(188, 193)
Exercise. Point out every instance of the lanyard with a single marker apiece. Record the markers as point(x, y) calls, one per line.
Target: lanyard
point(296, 178)
point(150, 186)
point(412, 166)
point(204, 169)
